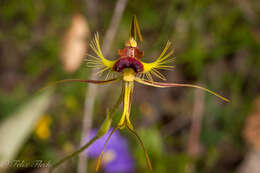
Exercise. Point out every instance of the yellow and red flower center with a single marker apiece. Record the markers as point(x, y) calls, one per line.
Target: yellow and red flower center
point(127, 62)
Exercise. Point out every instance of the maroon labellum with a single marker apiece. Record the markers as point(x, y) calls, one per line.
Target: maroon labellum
point(129, 59)
point(127, 62)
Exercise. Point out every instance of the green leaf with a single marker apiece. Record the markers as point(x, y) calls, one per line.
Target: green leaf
point(15, 130)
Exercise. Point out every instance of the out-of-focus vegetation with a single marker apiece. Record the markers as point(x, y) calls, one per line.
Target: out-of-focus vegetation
point(217, 43)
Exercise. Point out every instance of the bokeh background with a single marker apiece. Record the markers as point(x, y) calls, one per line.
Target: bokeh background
point(216, 43)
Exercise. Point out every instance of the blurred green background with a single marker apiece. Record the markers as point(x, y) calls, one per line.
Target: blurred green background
point(216, 43)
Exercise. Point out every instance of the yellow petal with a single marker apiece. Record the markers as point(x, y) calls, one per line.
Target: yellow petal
point(160, 63)
point(100, 59)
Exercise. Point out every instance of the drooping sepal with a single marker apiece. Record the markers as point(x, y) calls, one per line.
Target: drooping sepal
point(104, 147)
point(166, 85)
point(148, 162)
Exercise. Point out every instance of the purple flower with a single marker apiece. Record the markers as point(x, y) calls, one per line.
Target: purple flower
point(116, 158)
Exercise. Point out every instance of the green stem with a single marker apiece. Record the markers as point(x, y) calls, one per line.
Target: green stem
point(113, 110)
point(119, 101)
point(73, 154)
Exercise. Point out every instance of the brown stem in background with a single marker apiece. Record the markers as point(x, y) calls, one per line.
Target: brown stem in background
point(113, 27)
point(92, 11)
point(194, 138)
point(193, 148)
point(91, 91)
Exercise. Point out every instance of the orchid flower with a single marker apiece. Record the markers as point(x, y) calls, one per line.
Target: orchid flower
point(129, 68)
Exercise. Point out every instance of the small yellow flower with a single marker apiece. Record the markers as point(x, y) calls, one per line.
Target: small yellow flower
point(42, 129)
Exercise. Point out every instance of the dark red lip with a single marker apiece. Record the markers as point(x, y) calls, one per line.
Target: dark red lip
point(128, 62)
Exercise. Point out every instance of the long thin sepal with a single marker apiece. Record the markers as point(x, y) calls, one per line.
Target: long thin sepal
point(135, 29)
point(102, 152)
point(165, 85)
point(149, 165)
point(98, 82)
point(138, 29)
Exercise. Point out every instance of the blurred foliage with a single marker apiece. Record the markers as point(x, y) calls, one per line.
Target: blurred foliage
point(216, 42)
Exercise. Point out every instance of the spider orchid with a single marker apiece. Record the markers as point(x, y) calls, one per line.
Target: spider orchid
point(130, 69)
